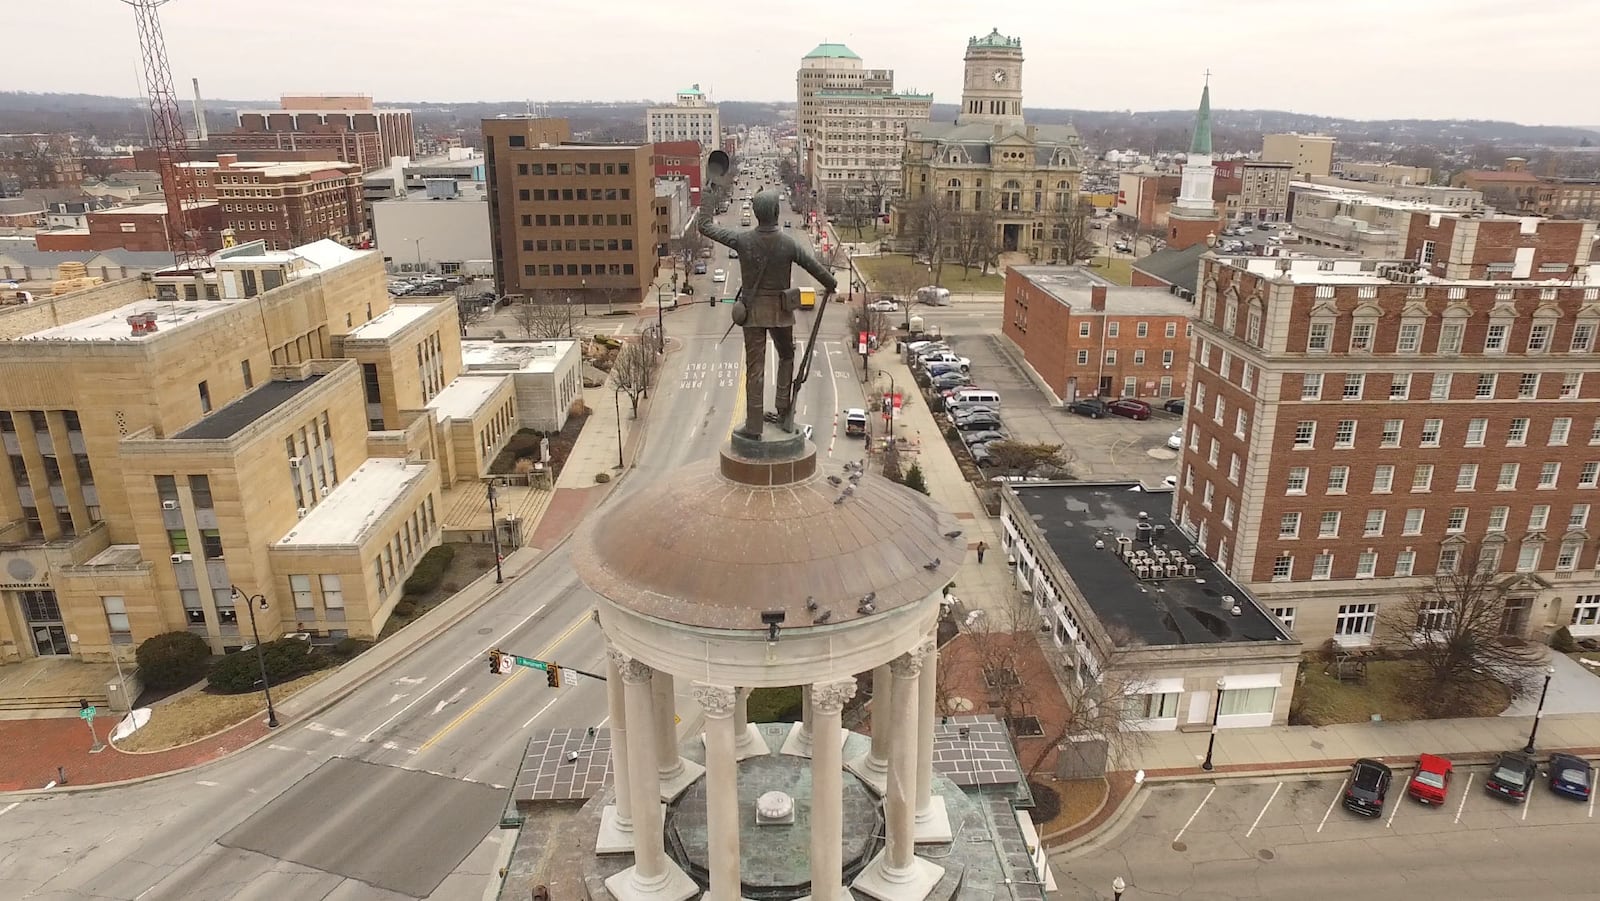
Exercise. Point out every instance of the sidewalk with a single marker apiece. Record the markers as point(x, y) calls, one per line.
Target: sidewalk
point(988, 586)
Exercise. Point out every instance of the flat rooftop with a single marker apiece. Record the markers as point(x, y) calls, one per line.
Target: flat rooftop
point(256, 403)
point(1071, 284)
point(1307, 270)
point(463, 398)
point(513, 356)
point(114, 327)
point(345, 515)
point(391, 321)
point(151, 209)
point(1178, 611)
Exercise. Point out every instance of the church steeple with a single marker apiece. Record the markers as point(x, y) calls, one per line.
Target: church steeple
point(1193, 218)
point(1201, 142)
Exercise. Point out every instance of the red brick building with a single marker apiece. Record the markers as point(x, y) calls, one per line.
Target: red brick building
point(350, 126)
point(289, 204)
point(141, 227)
point(1082, 337)
point(679, 159)
point(1356, 427)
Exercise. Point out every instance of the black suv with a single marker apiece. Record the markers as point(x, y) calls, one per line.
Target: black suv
point(1511, 777)
point(1369, 785)
point(1092, 407)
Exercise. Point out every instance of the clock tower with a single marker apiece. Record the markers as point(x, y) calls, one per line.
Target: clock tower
point(991, 93)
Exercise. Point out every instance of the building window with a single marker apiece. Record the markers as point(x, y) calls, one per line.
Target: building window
point(1400, 386)
point(1485, 386)
point(1528, 556)
point(1571, 384)
point(178, 541)
point(1431, 428)
point(1297, 479)
point(300, 587)
point(1322, 566)
point(1355, 621)
point(116, 609)
point(1528, 385)
point(1410, 338)
point(1589, 475)
point(1328, 527)
point(1467, 477)
point(1344, 434)
point(1405, 562)
point(205, 398)
point(1422, 477)
point(1392, 430)
point(1305, 434)
point(1579, 517)
point(1477, 430)
point(1413, 523)
point(1354, 383)
point(1374, 524)
point(1456, 522)
point(1383, 478)
point(1285, 615)
point(1083, 358)
point(1289, 525)
point(1548, 474)
point(1367, 564)
point(1582, 337)
point(1247, 701)
point(1283, 568)
point(332, 592)
point(1311, 386)
point(1338, 479)
point(1083, 329)
point(1539, 337)
point(1320, 337)
point(1361, 337)
point(1560, 428)
point(244, 370)
point(211, 544)
point(1440, 389)
point(200, 491)
point(1494, 340)
point(1450, 337)
point(1538, 517)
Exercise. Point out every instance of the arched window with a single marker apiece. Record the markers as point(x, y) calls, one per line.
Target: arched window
point(1011, 195)
point(952, 193)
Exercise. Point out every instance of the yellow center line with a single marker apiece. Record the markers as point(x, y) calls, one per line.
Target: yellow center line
point(481, 702)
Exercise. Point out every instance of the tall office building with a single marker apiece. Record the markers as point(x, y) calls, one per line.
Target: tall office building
point(851, 125)
point(569, 219)
point(690, 118)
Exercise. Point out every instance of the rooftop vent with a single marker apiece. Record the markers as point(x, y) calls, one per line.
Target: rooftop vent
point(142, 323)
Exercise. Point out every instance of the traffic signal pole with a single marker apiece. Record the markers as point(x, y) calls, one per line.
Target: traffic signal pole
point(501, 663)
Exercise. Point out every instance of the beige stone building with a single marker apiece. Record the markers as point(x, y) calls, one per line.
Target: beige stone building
point(851, 125)
point(989, 161)
point(1312, 155)
point(274, 424)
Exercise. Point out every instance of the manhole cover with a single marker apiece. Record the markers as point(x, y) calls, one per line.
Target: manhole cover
point(1161, 453)
point(485, 631)
point(1266, 854)
point(1179, 846)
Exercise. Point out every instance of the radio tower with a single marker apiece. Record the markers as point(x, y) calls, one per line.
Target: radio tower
point(167, 129)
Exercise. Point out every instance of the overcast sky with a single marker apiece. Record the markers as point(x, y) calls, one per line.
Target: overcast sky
point(1479, 59)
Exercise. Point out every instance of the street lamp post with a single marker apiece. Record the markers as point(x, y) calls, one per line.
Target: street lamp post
point(1216, 714)
point(661, 323)
point(1533, 733)
point(261, 660)
point(418, 243)
point(1118, 886)
point(494, 530)
point(583, 286)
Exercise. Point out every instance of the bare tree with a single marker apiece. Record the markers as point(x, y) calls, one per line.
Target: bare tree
point(975, 244)
point(635, 371)
point(1021, 458)
point(469, 308)
point(1456, 629)
point(1110, 705)
point(1068, 225)
point(542, 318)
point(615, 291)
point(930, 223)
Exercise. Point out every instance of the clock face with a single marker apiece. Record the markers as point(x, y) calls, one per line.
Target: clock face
point(999, 76)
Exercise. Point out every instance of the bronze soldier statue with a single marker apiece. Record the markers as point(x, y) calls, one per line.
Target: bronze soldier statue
point(766, 302)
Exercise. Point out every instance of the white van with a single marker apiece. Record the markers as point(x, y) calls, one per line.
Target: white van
point(963, 396)
point(932, 296)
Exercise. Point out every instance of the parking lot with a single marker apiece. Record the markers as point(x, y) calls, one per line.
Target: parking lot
point(1292, 837)
point(1100, 449)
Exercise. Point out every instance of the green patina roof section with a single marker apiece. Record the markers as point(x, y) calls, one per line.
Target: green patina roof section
point(994, 39)
point(1201, 142)
point(831, 51)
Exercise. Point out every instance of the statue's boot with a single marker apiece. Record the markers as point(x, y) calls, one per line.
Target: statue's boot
point(783, 398)
point(753, 423)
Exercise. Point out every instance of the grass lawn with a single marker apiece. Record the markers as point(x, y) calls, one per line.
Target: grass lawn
point(1323, 700)
point(1115, 270)
point(197, 715)
point(870, 233)
point(889, 269)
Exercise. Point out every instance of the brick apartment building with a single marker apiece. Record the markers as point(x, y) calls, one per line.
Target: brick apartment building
point(1082, 337)
point(682, 160)
point(574, 219)
point(348, 126)
point(289, 204)
point(1357, 427)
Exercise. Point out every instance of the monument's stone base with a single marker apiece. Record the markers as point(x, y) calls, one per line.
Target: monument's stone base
point(778, 458)
point(913, 885)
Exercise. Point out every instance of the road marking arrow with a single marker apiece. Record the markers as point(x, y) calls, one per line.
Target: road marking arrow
point(394, 698)
point(409, 680)
point(439, 707)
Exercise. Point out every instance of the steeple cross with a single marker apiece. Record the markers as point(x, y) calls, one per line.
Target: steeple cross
point(1208, 78)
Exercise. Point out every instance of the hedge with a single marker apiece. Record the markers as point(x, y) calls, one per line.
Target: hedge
point(172, 659)
point(286, 658)
point(430, 570)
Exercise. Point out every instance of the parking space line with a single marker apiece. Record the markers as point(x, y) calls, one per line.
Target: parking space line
point(1195, 814)
point(1264, 810)
point(1403, 789)
point(1527, 802)
point(1591, 803)
point(1332, 804)
point(1464, 792)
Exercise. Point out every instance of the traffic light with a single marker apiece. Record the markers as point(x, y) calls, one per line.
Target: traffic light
point(497, 664)
point(552, 676)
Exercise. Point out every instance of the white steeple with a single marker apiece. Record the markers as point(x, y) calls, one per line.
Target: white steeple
point(1194, 197)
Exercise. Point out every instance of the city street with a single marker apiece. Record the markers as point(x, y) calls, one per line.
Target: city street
point(1270, 838)
point(396, 791)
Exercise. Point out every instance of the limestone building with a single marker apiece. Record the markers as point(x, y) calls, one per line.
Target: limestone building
point(274, 423)
point(851, 124)
point(989, 162)
point(690, 118)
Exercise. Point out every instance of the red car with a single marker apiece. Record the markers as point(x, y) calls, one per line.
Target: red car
point(1431, 782)
point(1127, 406)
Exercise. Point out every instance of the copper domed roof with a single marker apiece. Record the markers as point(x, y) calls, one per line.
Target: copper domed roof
point(701, 549)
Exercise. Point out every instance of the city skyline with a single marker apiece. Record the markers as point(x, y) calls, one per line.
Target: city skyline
point(1441, 52)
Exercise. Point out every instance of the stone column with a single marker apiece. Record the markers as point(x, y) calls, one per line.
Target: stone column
point(933, 822)
point(872, 765)
point(649, 870)
point(746, 735)
point(801, 734)
point(616, 822)
point(898, 874)
point(722, 789)
point(827, 790)
point(666, 705)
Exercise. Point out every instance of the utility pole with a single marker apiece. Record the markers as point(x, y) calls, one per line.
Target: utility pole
point(494, 530)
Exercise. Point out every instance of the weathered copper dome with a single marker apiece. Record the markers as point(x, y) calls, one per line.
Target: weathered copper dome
point(705, 547)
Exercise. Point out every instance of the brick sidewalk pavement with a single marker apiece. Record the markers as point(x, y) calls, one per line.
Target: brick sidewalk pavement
point(31, 750)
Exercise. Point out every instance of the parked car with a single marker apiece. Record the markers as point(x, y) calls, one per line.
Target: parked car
point(980, 454)
point(719, 276)
point(1511, 777)
point(1123, 247)
point(699, 267)
point(946, 357)
point(961, 414)
point(1092, 407)
point(1368, 787)
point(1571, 776)
point(884, 306)
point(1127, 406)
point(979, 423)
point(733, 254)
point(934, 370)
point(1174, 406)
point(951, 380)
point(1175, 440)
point(1431, 783)
point(983, 437)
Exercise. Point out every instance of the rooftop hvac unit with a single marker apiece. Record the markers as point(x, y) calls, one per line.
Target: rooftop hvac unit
point(300, 512)
point(1142, 571)
point(1172, 570)
point(1237, 610)
point(169, 505)
point(1188, 569)
point(1124, 546)
point(294, 462)
point(1229, 600)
